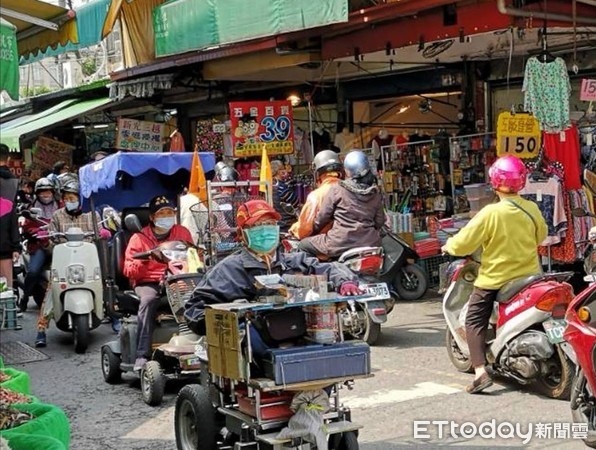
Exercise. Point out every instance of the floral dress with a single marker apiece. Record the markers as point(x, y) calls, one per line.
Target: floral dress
point(547, 90)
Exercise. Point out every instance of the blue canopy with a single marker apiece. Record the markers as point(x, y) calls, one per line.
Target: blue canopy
point(132, 179)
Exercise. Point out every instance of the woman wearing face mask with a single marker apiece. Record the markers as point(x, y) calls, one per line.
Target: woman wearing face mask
point(37, 245)
point(145, 275)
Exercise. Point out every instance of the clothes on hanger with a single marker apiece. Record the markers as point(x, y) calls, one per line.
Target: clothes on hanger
point(546, 90)
point(581, 225)
point(564, 147)
point(564, 251)
point(344, 141)
point(382, 139)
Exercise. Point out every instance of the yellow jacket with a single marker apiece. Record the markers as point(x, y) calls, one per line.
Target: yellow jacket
point(509, 241)
point(304, 226)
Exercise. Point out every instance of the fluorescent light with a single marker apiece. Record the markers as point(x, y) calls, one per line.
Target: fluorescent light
point(78, 127)
point(101, 125)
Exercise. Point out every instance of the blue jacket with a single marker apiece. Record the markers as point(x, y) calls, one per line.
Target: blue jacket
point(234, 278)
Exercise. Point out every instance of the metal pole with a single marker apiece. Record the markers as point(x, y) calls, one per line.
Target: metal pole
point(312, 145)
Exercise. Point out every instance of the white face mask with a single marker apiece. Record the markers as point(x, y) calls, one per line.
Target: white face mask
point(165, 223)
point(71, 206)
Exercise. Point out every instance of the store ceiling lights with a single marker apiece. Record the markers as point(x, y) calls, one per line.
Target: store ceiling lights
point(294, 99)
point(78, 127)
point(101, 125)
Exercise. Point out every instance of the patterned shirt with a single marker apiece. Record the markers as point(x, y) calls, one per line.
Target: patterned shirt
point(62, 221)
point(547, 90)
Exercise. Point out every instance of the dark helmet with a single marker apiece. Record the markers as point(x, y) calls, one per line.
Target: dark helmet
point(356, 164)
point(44, 184)
point(70, 186)
point(326, 161)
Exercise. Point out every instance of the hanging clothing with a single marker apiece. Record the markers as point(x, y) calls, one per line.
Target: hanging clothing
point(547, 89)
point(565, 250)
point(377, 143)
point(564, 148)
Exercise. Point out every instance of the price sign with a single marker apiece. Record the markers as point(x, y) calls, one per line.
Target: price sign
point(518, 135)
point(588, 91)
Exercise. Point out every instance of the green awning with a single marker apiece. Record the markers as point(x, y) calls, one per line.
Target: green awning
point(9, 59)
point(4, 127)
point(12, 136)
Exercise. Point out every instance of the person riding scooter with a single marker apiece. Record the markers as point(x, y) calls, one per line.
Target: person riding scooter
point(145, 275)
point(37, 245)
point(284, 198)
point(328, 171)
point(70, 216)
point(234, 277)
point(354, 210)
point(509, 233)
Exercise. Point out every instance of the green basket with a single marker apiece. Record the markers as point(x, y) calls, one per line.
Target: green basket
point(49, 421)
point(19, 381)
point(21, 441)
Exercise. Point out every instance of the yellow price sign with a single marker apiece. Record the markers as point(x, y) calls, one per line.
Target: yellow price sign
point(518, 135)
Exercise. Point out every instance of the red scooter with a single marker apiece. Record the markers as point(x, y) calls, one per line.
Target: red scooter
point(581, 334)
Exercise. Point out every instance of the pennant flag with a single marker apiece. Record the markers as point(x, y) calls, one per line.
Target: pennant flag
point(198, 183)
point(265, 172)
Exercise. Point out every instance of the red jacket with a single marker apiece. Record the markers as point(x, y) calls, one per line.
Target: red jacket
point(149, 271)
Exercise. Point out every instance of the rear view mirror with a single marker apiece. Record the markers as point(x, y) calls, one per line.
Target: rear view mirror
point(132, 223)
point(36, 211)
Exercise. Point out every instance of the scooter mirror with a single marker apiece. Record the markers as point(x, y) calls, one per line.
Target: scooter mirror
point(35, 211)
point(132, 223)
point(579, 212)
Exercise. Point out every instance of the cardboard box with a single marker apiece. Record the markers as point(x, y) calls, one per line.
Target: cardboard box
point(224, 344)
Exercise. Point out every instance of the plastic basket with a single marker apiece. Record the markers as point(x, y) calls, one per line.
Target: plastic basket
point(432, 267)
point(179, 289)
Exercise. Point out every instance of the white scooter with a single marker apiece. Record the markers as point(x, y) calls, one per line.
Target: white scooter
point(76, 286)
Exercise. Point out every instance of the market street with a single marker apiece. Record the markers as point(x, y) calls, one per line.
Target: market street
point(413, 380)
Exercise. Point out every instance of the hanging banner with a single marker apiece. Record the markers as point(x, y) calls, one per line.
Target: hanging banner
point(49, 151)
point(255, 124)
point(518, 135)
point(139, 136)
point(9, 59)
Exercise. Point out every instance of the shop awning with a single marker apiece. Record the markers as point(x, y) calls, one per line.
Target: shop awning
point(39, 24)
point(12, 136)
point(31, 117)
point(9, 59)
point(90, 18)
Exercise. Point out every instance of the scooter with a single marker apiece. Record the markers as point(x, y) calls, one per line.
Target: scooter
point(524, 339)
point(172, 342)
point(581, 335)
point(76, 286)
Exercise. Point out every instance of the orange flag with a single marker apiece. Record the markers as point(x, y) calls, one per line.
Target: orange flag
point(198, 183)
point(265, 172)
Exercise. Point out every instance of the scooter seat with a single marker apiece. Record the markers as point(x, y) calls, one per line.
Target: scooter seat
point(514, 287)
point(359, 251)
point(128, 302)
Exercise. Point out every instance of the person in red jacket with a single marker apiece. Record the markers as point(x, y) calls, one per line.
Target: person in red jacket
point(145, 275)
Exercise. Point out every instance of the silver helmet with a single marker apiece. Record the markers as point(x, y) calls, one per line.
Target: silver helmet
point(356, 164)
point(72, 186)
point(44, 184)
point(223, 172)
point(326, 161)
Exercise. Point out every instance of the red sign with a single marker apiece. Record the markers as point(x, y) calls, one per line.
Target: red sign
point(588, 91)
point(262, 124)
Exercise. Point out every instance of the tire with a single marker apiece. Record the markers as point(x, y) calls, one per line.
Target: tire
point(416, 287)
point(110, 366)
point(194, 419)
point(559, 387)
point(346, 441)
point(457, 358)
point(371, 331)
point(80, 332)
point(153, 383)
point(580, 414)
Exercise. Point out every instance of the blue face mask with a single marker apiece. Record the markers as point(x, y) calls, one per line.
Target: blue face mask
point(71, 206)
point(165, 223)
point(263, 238)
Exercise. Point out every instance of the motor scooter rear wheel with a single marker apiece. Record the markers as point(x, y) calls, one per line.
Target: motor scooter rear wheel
point(411, 282)
point(557, 384)
point(581, 410)
point(456, 356)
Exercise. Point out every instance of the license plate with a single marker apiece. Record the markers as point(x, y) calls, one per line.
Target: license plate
point(190, 362)
point(554, 330)
point(376, 291)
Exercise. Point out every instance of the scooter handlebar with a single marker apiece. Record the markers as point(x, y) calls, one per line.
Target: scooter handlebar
point(142, 255)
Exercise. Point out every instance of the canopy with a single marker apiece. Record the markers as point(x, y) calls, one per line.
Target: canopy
point(12, 136)
point(9, 59)
point(46, 25)
point(147, 175)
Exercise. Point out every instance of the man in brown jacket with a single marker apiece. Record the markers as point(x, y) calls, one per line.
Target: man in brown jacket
point(354, 206)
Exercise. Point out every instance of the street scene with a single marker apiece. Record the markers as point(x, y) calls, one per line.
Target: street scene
point(287, 224)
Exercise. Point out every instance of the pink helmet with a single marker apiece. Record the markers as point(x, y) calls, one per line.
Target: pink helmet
point(508, 174)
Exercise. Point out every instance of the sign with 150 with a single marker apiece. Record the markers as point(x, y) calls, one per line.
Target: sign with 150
point(518, 135)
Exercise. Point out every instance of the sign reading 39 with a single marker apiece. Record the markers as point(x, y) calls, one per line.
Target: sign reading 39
point(518, 135)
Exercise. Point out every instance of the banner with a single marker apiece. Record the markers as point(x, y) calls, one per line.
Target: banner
point(139, 136)
point(518, 135)
point(49, 151)
point(258, 125)
point(9, 59)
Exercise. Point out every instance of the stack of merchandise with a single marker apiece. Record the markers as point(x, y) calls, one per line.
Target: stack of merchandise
point(428, 247)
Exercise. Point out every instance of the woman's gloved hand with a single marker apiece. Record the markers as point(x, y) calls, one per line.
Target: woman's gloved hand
point(349, 288)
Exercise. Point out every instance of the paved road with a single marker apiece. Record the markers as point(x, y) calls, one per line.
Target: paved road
point(413, 381)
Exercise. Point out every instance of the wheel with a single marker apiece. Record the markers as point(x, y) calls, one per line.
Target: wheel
point(153, 383)
point(372, 330)
point(367, 330)
point(411, 282)
point(110, 366)
point(80, 332)
point(557, 383)
point(581, 410)
point(346, 441)
point(457, 358)
point(194, 419)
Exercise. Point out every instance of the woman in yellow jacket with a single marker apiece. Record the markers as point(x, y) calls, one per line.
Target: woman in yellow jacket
point(509, 233)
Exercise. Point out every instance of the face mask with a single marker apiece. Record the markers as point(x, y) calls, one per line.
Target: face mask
point(46, 199)
point(263, 238)
point(165, 223)
point(71, 206)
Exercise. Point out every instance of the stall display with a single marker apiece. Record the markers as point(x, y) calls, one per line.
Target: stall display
point(471, 156)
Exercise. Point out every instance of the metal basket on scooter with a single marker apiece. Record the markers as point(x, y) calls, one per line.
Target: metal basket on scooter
point(179, 289)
